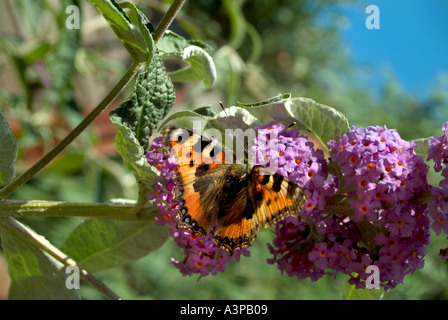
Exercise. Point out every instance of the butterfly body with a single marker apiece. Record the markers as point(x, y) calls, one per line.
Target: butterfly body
point(213, 190)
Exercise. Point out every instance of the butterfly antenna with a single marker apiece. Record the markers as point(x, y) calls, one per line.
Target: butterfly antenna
point(291, 125)
point(227, 115)
point(224, 109)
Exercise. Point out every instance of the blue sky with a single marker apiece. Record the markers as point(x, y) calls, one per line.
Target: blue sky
point(412, 41)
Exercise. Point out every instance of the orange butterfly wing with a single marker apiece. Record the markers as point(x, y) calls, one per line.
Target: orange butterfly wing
point(238, 197)
point(200, 174)
point(269, 198)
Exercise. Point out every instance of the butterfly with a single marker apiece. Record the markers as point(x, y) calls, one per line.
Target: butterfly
point(237, 198)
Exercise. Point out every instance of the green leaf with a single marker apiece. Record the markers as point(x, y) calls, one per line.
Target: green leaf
point(232, 117)
point(139, 20)
point(277, 99)
point(232, 70)
point(206, 113)
point(133, 156)
point(37, 52)
point(152, 98)
point(8, 151)
point(201, 66)
point(422, 147)
point(102, 244)
point(132, 36)
point(171, 42)
point(34, 274)
point(323, 122)
point(237, 117)
point(351, 293)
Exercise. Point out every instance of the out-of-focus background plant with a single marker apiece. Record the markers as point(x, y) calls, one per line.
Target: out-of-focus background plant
point(50, 78)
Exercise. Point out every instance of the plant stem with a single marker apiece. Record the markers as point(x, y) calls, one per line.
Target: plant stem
point(36, 208)
point(24, 177)
point(168, 19)
point(27, 175)
point(46, 246)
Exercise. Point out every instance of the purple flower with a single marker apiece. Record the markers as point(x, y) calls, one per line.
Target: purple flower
point(438, 149)
point(320, 255)
point(438, 205)
point(444, 253)
point(385, 174)
point(359, 213)
point(381, 174)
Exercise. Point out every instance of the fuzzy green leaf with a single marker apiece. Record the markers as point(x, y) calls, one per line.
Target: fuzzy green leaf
point(277, 99)
point(133, 37)
point(231, 117)
point(152, 98)
point(323, 122)
point(201, 66)
point(171, 42)
point(206, 113)
point(103, 244)
point(35, 275)
point(8, 151)
point(133, 156)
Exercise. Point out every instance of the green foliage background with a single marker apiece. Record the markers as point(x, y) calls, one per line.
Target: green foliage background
point(49, 80)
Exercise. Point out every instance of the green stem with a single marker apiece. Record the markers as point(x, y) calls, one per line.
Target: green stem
point(168, 18)
point(46, 246)
point(36, 208)
point(27, 175)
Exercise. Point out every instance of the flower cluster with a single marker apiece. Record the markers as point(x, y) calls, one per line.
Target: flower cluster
point(380, 174)
point(296, 159)
point(361, 209)
point(386, 174)
point(294, 248)
point(438, 206)
point(202, 256)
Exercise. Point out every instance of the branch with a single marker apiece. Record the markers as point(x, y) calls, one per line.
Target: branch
point(27, 175)
point(168, 18)
point(46, 246)
point(36, 208)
